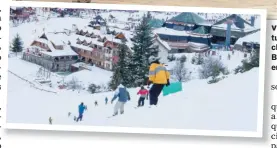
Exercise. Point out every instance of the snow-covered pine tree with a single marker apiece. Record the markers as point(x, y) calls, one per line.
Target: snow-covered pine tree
point(121, 68)
point(17, 44)
point(143, 48)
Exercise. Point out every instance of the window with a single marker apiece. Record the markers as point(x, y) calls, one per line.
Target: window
point(175, 27)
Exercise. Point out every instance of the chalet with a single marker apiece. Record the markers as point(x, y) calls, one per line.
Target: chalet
point(121, 36)
point(49, 54)
point(98, 48)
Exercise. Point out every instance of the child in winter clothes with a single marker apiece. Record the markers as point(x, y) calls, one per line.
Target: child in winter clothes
point(143, 94)
point(106, 100)
point(82, 108)
point(123, 96)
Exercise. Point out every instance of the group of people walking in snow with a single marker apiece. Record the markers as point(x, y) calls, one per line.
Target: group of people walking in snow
point(158, 78)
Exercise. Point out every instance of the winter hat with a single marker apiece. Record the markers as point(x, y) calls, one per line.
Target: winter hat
point(120, 86)
point(153, 58)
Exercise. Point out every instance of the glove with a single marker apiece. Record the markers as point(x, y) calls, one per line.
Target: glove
point(168, 83)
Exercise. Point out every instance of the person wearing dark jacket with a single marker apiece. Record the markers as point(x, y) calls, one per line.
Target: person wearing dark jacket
point(159, 77)
point(123, 96)
point(106, 100)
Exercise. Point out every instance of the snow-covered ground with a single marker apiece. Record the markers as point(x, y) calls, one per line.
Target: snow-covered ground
point(231, 64)
point(220, 106)
point(230, 104)
point(94, 76)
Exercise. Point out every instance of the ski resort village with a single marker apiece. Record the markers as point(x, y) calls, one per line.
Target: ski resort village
point(144, 69)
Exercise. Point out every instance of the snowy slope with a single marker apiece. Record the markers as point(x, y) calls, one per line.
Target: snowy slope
point(226, 105)
point(94, 76)
point(221, 106)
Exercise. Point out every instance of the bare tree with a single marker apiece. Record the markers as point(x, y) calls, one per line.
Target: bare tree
point(212, 68)
point(180, 72)
point(74, 84)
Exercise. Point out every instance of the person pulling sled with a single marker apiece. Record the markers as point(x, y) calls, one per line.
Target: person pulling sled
point(159, 77)
point(123, 96)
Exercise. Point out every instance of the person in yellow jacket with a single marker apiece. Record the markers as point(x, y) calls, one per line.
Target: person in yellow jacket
point(159, 77)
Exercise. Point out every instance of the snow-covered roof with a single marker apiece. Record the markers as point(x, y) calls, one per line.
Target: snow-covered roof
point(189, 18)
point(78, 64)
point(165, 44)
point(198, 46)
point(81, 46)
point(247, 27)
point(92, 40)
point(57, 39)
point(42, 40)
point(254, 37)
point(168, 31)
point(67, 51)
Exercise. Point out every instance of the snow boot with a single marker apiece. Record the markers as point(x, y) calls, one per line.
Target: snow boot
point(122, 112)
point(115, 114)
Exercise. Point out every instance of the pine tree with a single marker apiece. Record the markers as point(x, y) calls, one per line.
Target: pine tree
point(121, 70)
point(17, 44)
point(143, 48)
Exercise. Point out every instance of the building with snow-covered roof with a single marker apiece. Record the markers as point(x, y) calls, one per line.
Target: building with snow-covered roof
point(186, 21)
point(97, 47)
point(55, 57)
point(183, 29)
point(239, 28)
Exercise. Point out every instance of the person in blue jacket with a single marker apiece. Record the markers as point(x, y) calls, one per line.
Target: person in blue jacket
point(123, 96)
point(106, 100)
point(82, 108)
